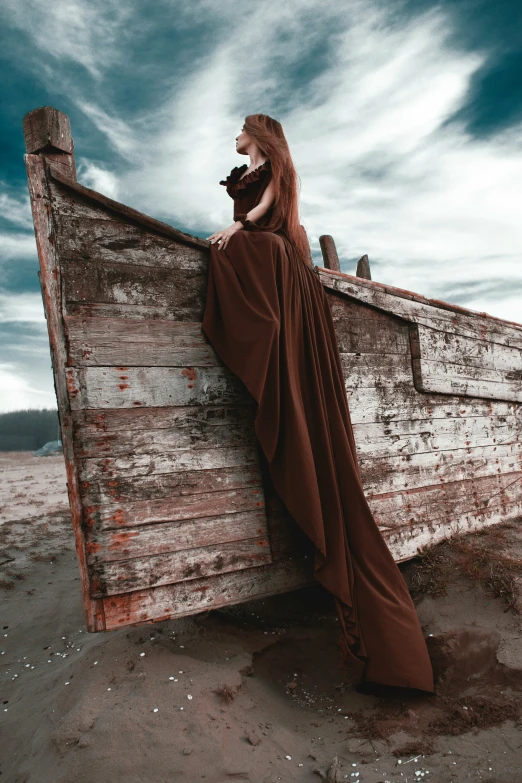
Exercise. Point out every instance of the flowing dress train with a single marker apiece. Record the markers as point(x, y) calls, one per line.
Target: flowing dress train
point(268, 318)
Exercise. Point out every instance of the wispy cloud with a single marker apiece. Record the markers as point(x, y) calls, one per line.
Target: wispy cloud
point(16, 245)
point(91, 33)
point(98, 178)
point(26, 308)
point(15, 210)
point(370, 99)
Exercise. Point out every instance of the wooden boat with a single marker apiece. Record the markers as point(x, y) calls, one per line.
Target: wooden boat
point(173, 510)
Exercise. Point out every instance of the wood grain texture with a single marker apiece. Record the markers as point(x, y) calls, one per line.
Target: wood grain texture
point(138, 573)
point(50, 280)
point(472, 366)
point(418, 309)
point(199, 595)
point(46, 128)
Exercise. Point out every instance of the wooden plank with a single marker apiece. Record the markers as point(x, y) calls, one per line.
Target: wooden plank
point(133, 465)
point(418, 309)
point(41, 205)
point(469, 352)
point(114, 490)
point(171, 429)
point(118, 341)
point(197, 505)
point(388, 403)
point(143, 572)
point(113, 421)
point(128, 387)
point(443, 378)
point(391, 474)
point(181, 296)
point(117, 310)
point(199, 595)
point(447, 501)
point(93, 235)
point(175, 535)
point(127, 212)
point(453, 364)
point(369, 370)
point(405, 544)
point(379, 439)
point(359, 328)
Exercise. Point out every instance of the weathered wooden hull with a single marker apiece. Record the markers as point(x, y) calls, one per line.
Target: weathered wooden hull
point(173, 510)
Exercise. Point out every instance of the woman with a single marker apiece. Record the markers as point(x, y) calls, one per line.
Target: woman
point(268, 318)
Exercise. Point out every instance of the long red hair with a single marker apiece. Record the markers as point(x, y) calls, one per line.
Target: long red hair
point(270, 138)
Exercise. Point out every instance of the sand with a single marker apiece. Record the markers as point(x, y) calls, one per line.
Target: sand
point(248, 693)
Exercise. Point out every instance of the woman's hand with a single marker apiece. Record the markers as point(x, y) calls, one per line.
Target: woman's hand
point(223, 237)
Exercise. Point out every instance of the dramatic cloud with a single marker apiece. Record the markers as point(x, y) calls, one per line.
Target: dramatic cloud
point(374, 99)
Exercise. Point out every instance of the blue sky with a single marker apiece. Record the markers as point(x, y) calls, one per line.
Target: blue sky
point(404, 119)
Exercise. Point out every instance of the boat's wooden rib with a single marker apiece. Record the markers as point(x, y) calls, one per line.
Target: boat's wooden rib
point(173, 508)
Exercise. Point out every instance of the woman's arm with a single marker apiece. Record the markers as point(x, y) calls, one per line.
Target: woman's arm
point(267, 199)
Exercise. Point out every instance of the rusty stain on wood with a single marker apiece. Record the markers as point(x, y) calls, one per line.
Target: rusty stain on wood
point(173, 508)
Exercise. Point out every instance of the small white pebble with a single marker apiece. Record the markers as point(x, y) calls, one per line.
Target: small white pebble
point(95, 663)
point(181, 708)
point(63, 637)
point(180, 671)
point(399, 762)
point(67, 683)
point(171, 678)
point(108, 689)
point(299, 765)
point(353, 765)
point(155, 709)
point(289, 758)
point(189, 696)
point(182, 646)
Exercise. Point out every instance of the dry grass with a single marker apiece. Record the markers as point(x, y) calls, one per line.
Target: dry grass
point(490, 556)
point(225, 692)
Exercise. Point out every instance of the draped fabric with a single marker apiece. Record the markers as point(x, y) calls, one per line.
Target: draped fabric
point(268, 318)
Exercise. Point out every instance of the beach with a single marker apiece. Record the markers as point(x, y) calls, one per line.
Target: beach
point(250, 692)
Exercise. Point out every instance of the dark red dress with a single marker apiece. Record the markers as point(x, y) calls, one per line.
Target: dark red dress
point(268, 318)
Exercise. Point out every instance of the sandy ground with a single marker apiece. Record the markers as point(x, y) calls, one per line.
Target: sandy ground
point(249, 693)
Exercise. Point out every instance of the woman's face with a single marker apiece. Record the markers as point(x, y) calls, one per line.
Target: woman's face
point(243, 141)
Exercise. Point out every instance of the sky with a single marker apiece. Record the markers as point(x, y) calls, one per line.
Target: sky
point(404, 120)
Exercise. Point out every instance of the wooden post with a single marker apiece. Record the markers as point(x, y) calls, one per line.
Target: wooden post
point(330, 257)
point(363, 268)
point(47, 132)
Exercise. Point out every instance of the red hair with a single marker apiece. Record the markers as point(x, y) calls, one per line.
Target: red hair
point(270, 138)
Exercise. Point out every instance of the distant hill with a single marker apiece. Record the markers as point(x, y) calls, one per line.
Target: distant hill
point(28, 430)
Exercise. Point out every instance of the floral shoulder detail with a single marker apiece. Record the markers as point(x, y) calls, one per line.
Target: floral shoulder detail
point(234, 181)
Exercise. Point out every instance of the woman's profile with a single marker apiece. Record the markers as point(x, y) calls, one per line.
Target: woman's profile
point(268, 318)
